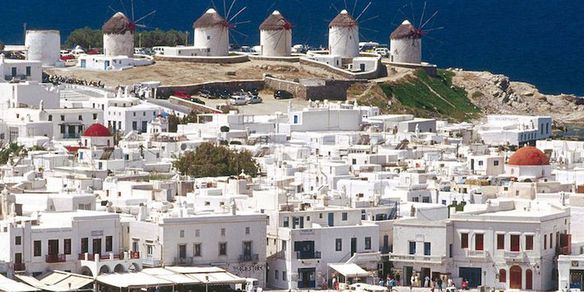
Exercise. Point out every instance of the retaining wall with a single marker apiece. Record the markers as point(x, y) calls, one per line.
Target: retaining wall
point(234, 85)
point(205, 59)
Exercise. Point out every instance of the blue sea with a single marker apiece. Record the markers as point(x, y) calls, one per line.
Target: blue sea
point(537, 41)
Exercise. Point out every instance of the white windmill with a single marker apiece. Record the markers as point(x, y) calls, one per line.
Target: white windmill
point(276, 36)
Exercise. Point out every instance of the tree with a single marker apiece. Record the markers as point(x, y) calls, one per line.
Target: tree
point(5, 153)
point(157, 37)
point(85, 37)
point(209, 160)
point(2, 46)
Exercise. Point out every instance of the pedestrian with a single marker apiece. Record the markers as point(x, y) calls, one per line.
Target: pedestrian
point(398, 278)
point(413, 280)
point(464, 285)
point(427, 281)
point(439, 284)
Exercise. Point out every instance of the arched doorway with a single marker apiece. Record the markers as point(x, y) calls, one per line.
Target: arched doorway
point(515, 277)
point(502, 276)
point(86, 271)
point(528, 279)
point(104, 270)
point(119, 268)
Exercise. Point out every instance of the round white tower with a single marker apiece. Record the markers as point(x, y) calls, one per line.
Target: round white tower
point(406, 44)
point(344, 36)
point(44, 46)
point(276, 36)
point(212, 32)
point(118, 36)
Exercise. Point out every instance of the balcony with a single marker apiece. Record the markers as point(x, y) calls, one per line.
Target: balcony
point(71, 135)
point(477, 254)
point(19, 267)
point(514, 256)
point(249, 258)
point(307, 256)
point(150, 261)
point(410, 258)
point(55, 258)
point(134, 255)
point(179, 261)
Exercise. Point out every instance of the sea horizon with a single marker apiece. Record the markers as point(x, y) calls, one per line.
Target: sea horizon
point(537, 42)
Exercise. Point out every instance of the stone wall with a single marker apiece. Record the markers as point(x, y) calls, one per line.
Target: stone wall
point(166, 91)
point(205, 59)
point(344, 73)
point(313, 89)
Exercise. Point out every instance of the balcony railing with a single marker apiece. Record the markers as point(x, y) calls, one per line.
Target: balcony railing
point(55, 258)
point(249, 257)
point(307, 256)
point(109, 256)
point(416, 258)
point(150, 261)
point(513, 255)
point(18, 267)
point(476, 253)
point(71, 135)
point(183, 261)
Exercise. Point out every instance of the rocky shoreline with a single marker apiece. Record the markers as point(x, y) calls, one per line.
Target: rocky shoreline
point(497, 94)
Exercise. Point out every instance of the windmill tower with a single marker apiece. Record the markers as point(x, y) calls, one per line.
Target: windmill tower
point(212, 32)
point(276, 36)
point(344, 36)
point(118, 36)
point(406, 44)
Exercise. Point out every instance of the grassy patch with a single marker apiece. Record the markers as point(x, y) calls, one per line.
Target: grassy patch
point(435, 96)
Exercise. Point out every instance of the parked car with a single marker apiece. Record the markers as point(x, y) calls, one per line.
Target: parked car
point(251, 99)
point(384, 52)
point(282, 94)
point(238, 99)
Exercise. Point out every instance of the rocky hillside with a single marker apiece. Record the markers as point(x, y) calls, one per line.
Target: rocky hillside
point(458, 95)
point(496, 94)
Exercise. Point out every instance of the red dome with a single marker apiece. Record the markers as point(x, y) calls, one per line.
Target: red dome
point(529, 155)
point(97, 130)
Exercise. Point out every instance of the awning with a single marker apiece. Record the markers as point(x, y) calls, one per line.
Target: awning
point(349, 270)
point(59, 281)
point(132, 280)
point(7, 285)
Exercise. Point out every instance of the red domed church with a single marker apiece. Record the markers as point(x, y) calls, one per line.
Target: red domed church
point(529, 162)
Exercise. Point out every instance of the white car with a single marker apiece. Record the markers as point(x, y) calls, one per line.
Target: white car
point(251, 99)
point(384, 52)
point(238, 100)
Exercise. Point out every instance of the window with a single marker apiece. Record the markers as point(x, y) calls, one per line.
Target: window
point(284, 276)
point(62, 117)
point(367, 243)
point(284, 244)
point(37, 248)
point(80, 117)
point(94, 116)
point(67, 246)
point(222, 231)
point(84, 245)
point(344, 216)
point(223, 248)
point(502, 276)
point(17, 240)
point(339, 244)
point(479, 237)
point(134, 125)
point(551, 240)
point(412, 247)
point(246, 230)
point(480, 163)
point(529, 242)
point(182, 234)
point(464, 240)
point(13, 69)
point(496, 163)
point(427, 248)
point(50, 118)
point(450, 250)
point(528, 279)
point(197, 250)
point(149, 249)
point(109, 241)
point(28, 74)
point(197, 232)
point(286, 222)
point(515, 242)
point(500, 241)
point(276, 274)
point(544, 241)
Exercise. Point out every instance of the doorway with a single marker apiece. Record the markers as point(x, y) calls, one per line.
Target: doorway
point(306, 278)
point(353, 246)
point(472, 275)
point(97, 246)
point(408, 275)
point(53, 247)
point(515, 277)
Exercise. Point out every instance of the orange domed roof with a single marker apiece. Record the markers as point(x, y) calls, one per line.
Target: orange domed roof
point(97, 130)
point(529, 155)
